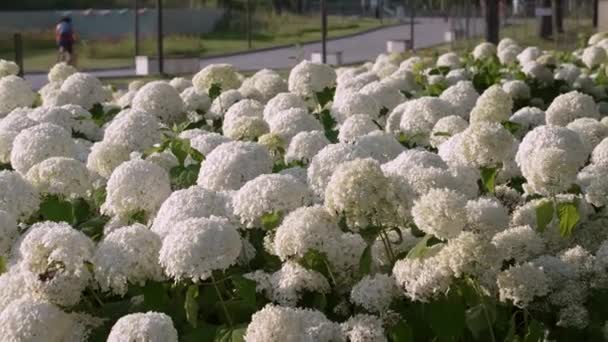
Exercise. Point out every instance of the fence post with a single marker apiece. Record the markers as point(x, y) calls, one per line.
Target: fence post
point(492, 21)
point(136, 28)
point(324, 31)
point(19, 52)
point(248, 5)
point(412, 23)
point(159, 31)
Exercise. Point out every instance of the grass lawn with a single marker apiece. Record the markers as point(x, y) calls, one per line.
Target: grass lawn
point(40, 53)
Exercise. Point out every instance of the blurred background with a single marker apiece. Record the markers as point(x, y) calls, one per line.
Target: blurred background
point(207, 28)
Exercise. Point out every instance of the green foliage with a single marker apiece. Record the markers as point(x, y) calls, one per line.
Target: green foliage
point(512, 127)
point(270, 221)
point(101, 117)
point(544, 215)
point(568, 217)
point(191, 305)
point(488, 178)
point(329, 124)
point(325, 96)
point(488, 72)
point(214, 91)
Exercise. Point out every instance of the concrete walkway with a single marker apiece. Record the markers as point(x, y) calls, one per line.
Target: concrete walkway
point(355, 49)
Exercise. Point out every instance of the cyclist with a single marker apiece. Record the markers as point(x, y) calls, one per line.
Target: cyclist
point(64, 36)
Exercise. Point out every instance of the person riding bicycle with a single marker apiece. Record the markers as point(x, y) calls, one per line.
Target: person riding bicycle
point(64, 35)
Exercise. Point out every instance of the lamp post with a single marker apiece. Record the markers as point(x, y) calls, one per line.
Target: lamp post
point(248, 8)
point(159, 38)
point(492, 21)
point(324, 31)
point(136, 26)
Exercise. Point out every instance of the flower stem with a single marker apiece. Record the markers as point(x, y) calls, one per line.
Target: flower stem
point(219, 295)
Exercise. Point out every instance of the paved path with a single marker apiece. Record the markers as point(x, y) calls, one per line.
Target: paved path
point(355, 49)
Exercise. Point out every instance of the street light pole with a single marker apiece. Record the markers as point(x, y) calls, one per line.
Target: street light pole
point(248, 7)
point(412, 24)
point(159, 38)
point(492, 21)
point(324, 31)
point(136, 28)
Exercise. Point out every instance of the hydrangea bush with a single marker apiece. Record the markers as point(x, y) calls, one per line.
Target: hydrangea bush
point(461, 198)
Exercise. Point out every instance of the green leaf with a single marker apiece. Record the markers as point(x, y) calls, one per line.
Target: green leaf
point(155, 296)
point(317, 261)
point(191, 305)
point(477, 319)
point(400, 332)
point(544, 215)
point(214, 91)
point(183, 177)
point(3, 267)
point(325, 96)
point(511, 126)
point(55, 209)
point(365, 263)
point(446, 316)
point(81, 210)
point(234, 334)
point(534, 332)
point(329, 123)
point(420, 248)
point(568, 218)
point(245, 288)
point(180, 149)
point(488, 178)
point(93, 227)
point(196, 155)
point(271, 220)
point(99, 197)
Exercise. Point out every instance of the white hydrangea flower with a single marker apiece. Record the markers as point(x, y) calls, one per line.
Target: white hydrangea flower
point(528, 118)
point(207, 142)
point(8, 68)
point(143, 327)
point(53, 257)
point(350, 103)
point(6, 145)
point(13, 286)
point(305, 145)
point(508, 55)
point(160, 99)
point(62, 176)
point(517, 89)
point(600, 153)
point(462, 96)
point(306, 78)
point(15, 92)
point(422, 279)
point(60, 72)
point(194, 100)
point(224, 75)
point(55, 115)
point(538, 71)
point(486, 216)
point(28, 319)
point(128, 255)
point(518, 243)
point(268, 83)
point(106, 156)
point(484, 50)
point(134, 129)
point(17, 120)
point(356, 126)
point(324, 163)
point(190, 203)
point(374, 293)
point(198, 246)
point(180, 83)
point(567, 72)
point(222, 103)
point(305, 229)
point(440, 212)
point(493, 105)
point(83, 89)
point(446, 127)
point(279, 323)
point(419, 117)
point(487, 144)
point(17, 196)
point(364, 328)
point(358, 190)
point(594, 56)
point(230, 165)
point(522, 283)
point(591, 132)
point(246, 128)
point(266, 194)
point(281, 102)
point(37, 143)
point(570, 106)
point(386, 96)
point(529, 54)
point(290, 122)
point(449, 59)
point(287, 285)
point(380, 146)
point(136, 185)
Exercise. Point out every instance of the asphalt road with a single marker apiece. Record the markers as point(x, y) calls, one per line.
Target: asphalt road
point(355, 49)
